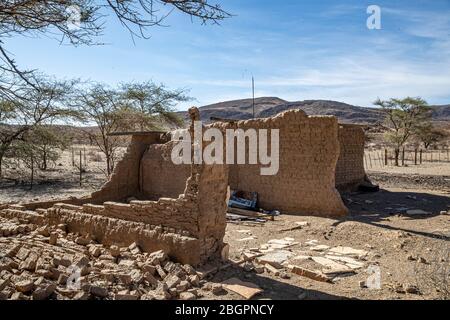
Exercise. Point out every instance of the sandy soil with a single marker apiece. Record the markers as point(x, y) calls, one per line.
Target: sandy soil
point(408, 250)
point(388, 237)
point(431, 165)
point(423, 169)
point(61, 180)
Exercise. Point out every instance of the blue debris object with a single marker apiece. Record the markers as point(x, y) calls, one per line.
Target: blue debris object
point(243, 200)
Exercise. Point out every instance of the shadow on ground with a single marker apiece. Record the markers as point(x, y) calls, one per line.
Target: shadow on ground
point(273, 289)
point(17, 190)
point(374, 208)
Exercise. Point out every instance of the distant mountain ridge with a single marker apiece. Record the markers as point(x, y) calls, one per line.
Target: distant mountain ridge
point(442, 112)
point(270, 106)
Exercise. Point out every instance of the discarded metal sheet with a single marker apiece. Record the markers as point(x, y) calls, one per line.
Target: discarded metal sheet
point(247, 238)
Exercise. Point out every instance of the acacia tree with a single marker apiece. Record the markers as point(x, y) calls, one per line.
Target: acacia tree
point(26, 152)
point(403, 117)
point(428, 135)
point(148, 104)
point(18, 117)
point(77, 22)
point(48, 142)
point(103, 106)
point(82, 22)
point(141, 106)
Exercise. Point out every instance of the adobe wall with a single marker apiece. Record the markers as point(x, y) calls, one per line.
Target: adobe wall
point(305, 182)
point(303, 185)
point(189, 227)
point(350, 166)
point(125, 179)
point(159, 176)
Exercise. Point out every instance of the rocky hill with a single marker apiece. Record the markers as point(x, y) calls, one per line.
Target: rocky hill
point(441, 113)
point(270, 106)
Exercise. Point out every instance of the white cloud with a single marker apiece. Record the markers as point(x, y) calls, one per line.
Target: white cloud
point(384, 64)
point(357, 79)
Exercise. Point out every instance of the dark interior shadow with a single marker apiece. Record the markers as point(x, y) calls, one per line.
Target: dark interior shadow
point(374, 208)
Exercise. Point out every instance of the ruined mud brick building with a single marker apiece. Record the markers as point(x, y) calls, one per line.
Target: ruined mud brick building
point(317, 157)
point(181, 209)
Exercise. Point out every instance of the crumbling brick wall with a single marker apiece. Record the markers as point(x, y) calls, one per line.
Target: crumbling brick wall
point(159, 176)
point(308, 153)
point(350, 166)
point(189, 227)
point(125, 179)
point(305, 183)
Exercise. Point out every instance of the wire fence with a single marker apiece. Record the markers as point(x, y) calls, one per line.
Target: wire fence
point(380, 158)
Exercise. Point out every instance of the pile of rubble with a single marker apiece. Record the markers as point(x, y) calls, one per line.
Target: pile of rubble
point(49, 263)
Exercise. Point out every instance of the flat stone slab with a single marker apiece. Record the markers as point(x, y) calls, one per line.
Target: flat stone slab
point(348, 251)
point(348, 261)
point(330, 264)
point(244, 289)
point(275, 258)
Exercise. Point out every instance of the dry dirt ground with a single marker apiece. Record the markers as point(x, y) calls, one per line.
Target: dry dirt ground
point(409, 253)
point(407, 250)
point(61, 180)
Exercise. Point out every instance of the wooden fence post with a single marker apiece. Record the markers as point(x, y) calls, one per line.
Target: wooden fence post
point(32, 170)
point(81, 169)
point(403, 157)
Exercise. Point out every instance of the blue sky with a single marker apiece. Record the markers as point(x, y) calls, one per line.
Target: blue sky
point(295, 49)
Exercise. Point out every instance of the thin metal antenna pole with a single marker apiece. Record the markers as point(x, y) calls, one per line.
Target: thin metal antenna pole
point(253, 89)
